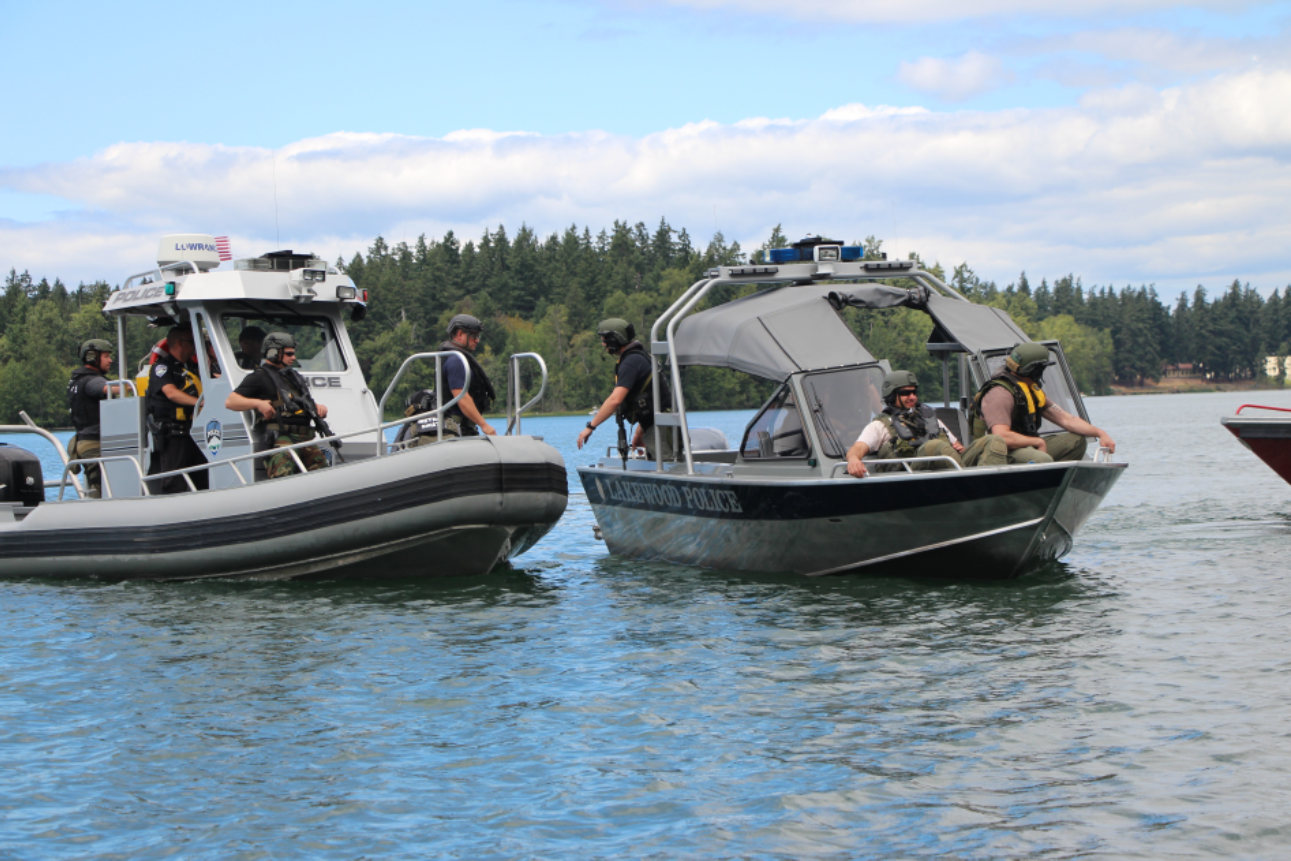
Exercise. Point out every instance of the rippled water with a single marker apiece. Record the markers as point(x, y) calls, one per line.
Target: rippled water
point(1132, 701)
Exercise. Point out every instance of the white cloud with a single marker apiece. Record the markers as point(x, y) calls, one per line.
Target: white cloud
point(929, 11)
point(1132, 185)
point(957, 79)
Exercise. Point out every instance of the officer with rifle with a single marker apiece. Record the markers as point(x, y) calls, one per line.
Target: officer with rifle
point(287, 412)
point(632, 399)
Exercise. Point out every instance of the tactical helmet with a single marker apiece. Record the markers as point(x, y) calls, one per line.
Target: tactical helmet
point(616, 332)
point(275, 343)
point(897, 380)
point(95, 347)
point(421, 401)
point(1028, 359)
point(467, 323)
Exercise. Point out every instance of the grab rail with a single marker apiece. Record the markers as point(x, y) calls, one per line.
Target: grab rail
point(159, 270)
point(438, 356)
point(107, 483)
point(134, 391)
point(903, 461)
point(513, 384)
point(1258, 407)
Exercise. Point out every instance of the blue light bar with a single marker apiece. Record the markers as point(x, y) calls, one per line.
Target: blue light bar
point(853, 252)
point(788, 255)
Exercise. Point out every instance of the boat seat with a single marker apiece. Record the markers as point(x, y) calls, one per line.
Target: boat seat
point(954, 418)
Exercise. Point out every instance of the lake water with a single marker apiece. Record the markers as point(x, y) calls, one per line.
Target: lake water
point(1131, 701)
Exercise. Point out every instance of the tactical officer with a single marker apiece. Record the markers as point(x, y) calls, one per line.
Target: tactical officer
point(173, 392)
point(87, 387)
point(1007, 412)
point(250, 341)
point(424, 430)
point(281, 396)
point(466, 417)
point(632, 399)
point(905, 428)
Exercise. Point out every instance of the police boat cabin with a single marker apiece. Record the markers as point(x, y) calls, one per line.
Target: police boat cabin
point(249, 444)
point(845, 468)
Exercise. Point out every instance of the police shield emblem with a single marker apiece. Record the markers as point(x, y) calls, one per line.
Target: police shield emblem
point(214, 436)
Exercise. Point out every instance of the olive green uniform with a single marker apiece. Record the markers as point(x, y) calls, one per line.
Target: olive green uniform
point(990, 449)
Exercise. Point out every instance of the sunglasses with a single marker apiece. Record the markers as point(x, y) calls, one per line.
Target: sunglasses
point(905, 393)
point(289, 352)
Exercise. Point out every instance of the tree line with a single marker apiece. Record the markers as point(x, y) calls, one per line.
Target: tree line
point(546, 295)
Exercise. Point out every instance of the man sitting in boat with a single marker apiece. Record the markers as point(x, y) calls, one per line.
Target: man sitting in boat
point(466, 417)
point(905, 428)
point(632, 399)
point(87, 387)
point(1008, 410)
point(250, 341)
point(281, 396)
point(173, 390)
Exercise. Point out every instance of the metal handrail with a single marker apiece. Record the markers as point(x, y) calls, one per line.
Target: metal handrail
point(122, 382)
point(1106, 454)
point(157, 270)
point(903, 461)
point(438, 356)
point(107, 484)
point(514, 385)
point(1258, 407)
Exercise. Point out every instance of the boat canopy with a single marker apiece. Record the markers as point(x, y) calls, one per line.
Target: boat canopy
point(974, 327)
point(777, 332)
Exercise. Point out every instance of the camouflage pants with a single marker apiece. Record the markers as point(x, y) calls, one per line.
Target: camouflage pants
point(990, 450)
point(932, 448)
point(86, 448)
point(281, 464)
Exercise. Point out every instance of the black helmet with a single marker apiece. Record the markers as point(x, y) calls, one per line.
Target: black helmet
point(275, 343)
point(1028, 359)
point(421, 401)
point(616, 332)
point(897, 380)
point(467, 323)
point(92, 349)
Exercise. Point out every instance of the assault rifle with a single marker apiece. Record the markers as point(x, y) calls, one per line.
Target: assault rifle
point(296, 406)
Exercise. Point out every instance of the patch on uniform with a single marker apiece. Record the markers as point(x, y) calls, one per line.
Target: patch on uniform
point(160, 370)
point(214, 436)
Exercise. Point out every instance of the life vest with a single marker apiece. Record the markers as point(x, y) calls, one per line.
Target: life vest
point(160, 349)
point(85, 409)
point(638, 406)
point(480, 389)
point(1028, 402)
point(910, 428)
point(163, 408)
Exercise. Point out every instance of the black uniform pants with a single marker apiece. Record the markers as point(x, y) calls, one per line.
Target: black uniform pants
point(177, 451)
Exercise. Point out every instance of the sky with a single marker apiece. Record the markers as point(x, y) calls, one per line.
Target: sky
point(1130, 142)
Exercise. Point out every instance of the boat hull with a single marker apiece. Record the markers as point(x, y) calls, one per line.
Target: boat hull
point(458, 508)
point(1268, 438)
point(980, 523)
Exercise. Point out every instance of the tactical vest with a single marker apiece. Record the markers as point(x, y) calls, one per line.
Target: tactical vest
point(910, 428)
point(289, 384)
point(480, 389)
point(638, 406)
point(163, 408)
point(1028, 401)
point(85, 409)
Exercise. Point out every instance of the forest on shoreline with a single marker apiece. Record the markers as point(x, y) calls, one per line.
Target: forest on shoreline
point(546, 295)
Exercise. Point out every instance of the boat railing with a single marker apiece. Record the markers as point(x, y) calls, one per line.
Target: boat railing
point(440, 406)
point(1103, 455)
point(157, 273)
point(513, 388)
point(30, 426)
point(900, 461)
point(133, 391)
point(1259, 407)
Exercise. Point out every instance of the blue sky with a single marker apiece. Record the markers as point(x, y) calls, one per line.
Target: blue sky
point(1133, 142)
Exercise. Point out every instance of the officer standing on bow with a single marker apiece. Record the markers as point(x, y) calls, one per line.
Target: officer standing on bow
point(466, 417)
point(1007, 412)
point(173, 392)
point(905, 428)
point(281, 396)
point(88, 386)
point(632, 399)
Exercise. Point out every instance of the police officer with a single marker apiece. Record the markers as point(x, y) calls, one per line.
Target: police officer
point(281, 396)
point(173, 392)
point(905, 428)
point(87, 387)
point(466, 417)
point(632, 399)
point(1007, 412)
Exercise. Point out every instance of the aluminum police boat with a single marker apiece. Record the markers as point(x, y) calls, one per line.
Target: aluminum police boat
point(1268, 436)
point(783, 500)
point(457, 507)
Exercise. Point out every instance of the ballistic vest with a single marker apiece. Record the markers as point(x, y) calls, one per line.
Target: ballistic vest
point(480, 389)
point(288, 383)
point(638, 406)
point(910, 428)
point(85, 409)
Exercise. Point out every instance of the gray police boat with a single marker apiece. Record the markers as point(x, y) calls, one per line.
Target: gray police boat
point(783, 500)
point(452, 507)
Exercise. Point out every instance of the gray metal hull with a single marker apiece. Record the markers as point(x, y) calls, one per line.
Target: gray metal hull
point(994, 523)
point(452, 509)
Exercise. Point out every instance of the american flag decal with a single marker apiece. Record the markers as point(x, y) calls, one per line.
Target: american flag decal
point(222, 246)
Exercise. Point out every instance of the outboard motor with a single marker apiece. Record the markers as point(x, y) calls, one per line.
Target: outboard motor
point(708, 439)
point(21, 478)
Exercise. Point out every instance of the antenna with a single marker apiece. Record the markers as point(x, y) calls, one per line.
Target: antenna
point(895, 256)
point(274, 161)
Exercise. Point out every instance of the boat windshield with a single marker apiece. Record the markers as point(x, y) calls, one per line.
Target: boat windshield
point(777, 431)
point(842, 403)
point(1055, 387)
point(316, 346)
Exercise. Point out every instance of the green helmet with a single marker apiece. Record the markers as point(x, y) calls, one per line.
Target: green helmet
point(616, 332)
point(92, 349)
point(273, 345)
point(1028, 359)
point(897, 380)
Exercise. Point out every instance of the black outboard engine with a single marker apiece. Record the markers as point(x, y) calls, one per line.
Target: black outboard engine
point(21, 478)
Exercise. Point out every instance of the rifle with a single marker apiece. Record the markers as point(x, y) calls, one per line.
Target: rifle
point(296, 406)
point(623, 440)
